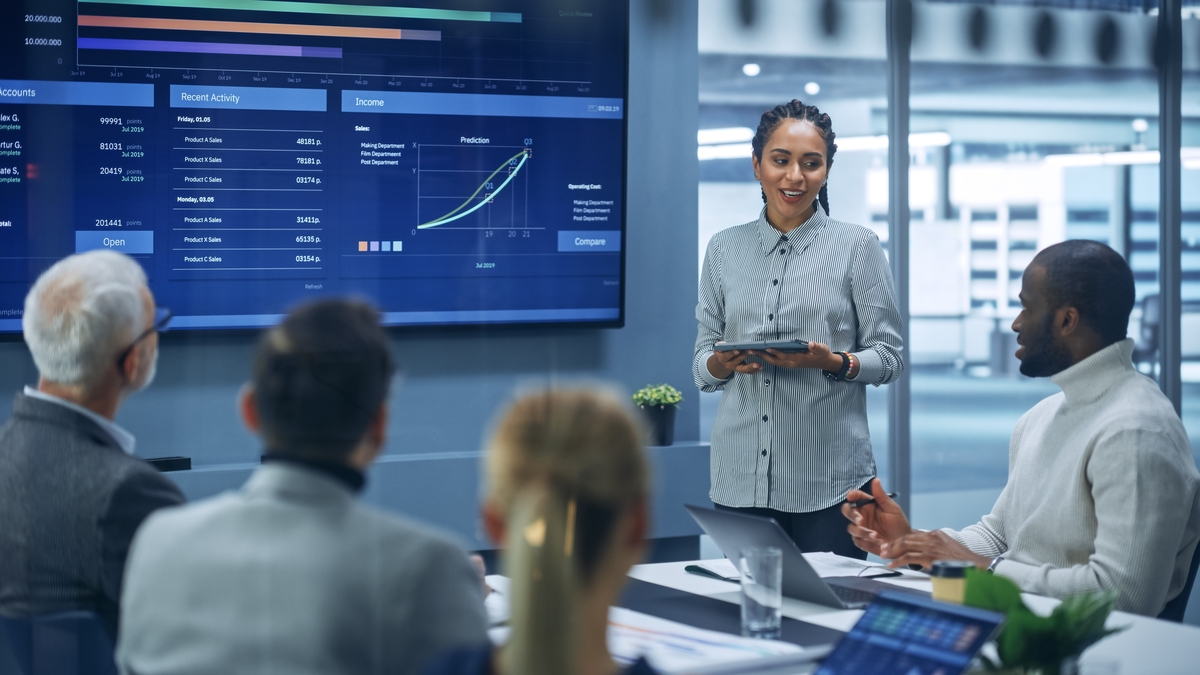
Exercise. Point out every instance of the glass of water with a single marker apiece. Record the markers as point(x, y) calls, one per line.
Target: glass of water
point(762, 591)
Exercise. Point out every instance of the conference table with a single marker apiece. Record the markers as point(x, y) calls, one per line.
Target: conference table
point(1145, 647)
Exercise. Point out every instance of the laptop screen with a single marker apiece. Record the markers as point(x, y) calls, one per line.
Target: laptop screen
point(906, 635)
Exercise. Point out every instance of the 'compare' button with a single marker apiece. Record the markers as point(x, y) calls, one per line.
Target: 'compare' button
point(574, 241)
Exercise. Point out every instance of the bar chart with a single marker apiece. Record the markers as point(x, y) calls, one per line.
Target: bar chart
point(280, 36)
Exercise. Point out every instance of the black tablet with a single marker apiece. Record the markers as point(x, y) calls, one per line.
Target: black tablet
point(762, 346)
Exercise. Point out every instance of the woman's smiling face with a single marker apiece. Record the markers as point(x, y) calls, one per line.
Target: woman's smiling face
point(792, 171)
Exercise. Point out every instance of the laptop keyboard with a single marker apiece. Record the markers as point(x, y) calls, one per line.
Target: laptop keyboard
point(852, 596)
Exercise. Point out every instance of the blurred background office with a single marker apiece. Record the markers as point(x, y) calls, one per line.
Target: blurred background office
point(1031, 122)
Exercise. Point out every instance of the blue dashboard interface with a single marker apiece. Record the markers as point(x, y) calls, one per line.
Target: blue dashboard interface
point(455, 161)
point(904, 635)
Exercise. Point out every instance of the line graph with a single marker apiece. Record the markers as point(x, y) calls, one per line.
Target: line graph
point(440, 190)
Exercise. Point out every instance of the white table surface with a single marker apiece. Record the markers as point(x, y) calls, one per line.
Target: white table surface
point(1146, 646)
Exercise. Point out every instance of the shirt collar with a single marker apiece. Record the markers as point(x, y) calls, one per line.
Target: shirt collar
point(123, 438)
point(1087, 380)
point(346, 475)
point(769, 237)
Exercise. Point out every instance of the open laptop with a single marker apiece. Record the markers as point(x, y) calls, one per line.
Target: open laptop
point(734, 532)
point(901, 634)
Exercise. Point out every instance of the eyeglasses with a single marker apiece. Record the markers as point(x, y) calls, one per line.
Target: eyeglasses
point(162, 319)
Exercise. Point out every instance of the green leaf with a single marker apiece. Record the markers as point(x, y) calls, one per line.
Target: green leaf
point(656, 395)
point(1080, 619)
point(1028, 639)
point(1032, 641)
point(989, 591)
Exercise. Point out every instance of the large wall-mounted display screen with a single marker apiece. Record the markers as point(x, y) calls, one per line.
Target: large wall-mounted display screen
point(457, 162)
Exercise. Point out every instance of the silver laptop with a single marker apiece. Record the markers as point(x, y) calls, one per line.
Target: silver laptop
point(734, 532)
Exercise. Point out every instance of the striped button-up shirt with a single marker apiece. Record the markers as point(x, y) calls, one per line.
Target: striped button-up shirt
point(789, 438)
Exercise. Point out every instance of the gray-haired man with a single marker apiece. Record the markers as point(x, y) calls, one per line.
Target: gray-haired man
point(71, 493)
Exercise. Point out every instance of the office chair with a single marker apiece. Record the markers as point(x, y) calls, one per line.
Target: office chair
point(69, 643)
point(1176, 608)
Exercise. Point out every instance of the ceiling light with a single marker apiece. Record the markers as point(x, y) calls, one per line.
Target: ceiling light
point(751, 69)
point(812, 88)
point(726, 151)
point(1077, 159)
point(1140, 125)
point(929, 139)
point(852, 143)
point(724, 135)
point(1135, 157)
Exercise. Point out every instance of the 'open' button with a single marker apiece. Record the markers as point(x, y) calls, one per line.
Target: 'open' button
point(131, 242)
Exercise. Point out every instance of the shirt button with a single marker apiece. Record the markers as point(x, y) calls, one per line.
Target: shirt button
point(782, 251)
point(774, 282)
point(767, 382)
point(770, 317)
point(764, 453)
point(764, 418)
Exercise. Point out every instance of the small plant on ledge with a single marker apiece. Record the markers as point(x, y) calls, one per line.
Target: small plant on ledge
point(660, 404)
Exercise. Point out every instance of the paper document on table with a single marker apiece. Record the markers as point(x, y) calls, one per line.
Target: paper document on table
point(673, 647)
point(721, 568)
point(496, 603)
point(832, 565)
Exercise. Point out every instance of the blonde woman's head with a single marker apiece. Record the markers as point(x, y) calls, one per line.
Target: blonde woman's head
point(567, 486)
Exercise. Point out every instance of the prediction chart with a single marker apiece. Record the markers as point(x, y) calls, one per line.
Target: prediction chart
point(457, 162)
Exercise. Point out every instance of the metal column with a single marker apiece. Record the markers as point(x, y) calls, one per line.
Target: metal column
point(899, 47)
point(1170, 91)
point(1120, 212)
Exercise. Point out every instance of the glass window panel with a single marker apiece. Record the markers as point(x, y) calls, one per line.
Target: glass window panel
point(1044, 143)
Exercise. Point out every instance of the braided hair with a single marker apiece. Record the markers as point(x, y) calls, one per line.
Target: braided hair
point(796, 110)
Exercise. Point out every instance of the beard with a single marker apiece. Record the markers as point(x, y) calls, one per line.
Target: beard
point(1044, 356)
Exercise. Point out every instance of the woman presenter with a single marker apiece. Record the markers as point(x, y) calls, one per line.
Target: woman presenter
point(791, 437)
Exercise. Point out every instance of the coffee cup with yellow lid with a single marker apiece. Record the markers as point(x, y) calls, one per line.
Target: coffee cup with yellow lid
point(950, 580)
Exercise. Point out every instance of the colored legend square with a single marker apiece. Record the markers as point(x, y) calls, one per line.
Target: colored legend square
point(362, 245)
point(397, 246)
point(387, 245)
point(374, 246)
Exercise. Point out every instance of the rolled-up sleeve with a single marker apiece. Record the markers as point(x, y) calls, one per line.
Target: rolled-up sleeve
point(710, 318)
point(880, 348)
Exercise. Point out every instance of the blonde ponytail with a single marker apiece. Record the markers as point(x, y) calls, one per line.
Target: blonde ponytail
point(544, 589)
point(562, 467)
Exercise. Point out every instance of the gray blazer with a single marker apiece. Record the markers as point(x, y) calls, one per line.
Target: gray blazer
point(291, 574)
point(70, 502)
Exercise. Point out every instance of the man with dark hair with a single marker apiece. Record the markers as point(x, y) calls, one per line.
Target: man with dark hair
point(291, 574)
point(1102, 491)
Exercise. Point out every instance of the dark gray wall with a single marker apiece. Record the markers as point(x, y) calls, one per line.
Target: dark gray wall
point(454, 381)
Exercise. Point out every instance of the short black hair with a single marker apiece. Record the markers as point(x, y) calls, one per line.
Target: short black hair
point(320, 378)
point(1094, 279)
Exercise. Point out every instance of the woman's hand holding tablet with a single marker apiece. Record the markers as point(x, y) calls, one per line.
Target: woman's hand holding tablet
point(730, 357)
point(785, 346)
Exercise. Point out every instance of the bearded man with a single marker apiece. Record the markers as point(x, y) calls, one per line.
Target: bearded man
point(1102, 490)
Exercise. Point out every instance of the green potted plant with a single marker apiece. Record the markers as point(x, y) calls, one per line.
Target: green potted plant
point(660, 403)
point(1045, 645)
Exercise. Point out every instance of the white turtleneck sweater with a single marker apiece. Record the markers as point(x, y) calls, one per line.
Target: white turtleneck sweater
point(1102, 490)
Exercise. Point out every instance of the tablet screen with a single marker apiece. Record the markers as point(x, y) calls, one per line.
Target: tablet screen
point(905, 635)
